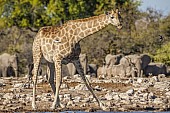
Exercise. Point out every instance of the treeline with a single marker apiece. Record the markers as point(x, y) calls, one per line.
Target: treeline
point(142, 32)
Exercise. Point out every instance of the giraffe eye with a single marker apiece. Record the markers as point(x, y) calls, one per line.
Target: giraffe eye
point(112, 17)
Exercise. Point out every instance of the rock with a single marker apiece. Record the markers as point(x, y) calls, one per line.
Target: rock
point(77, 99)
point(67, 97)
point(2, 84)
point(7, 101)
point(70, 103)
point(116, 97)
point(18, 85)
point(130, 92)
point(167, 93)
point(109, 96)
point(81, 87)
point(97, 88)
point(158, 101)
point(151, 96)
point(86, 100)
point(64, 86)
point(161, 76)
point(88, 77)
point(124, 96)
point(139, 80)
point(84, 105)
point(145, 96)
point(154, 79)
point(8, 96)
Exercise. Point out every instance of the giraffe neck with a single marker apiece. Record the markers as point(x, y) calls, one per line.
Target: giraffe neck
point(86, 27)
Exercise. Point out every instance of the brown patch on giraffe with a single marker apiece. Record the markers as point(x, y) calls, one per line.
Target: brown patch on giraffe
point(59, 34)
point(64, 39)
point(61, 47)
point(50, 41)
point(63, 52)
point(71, 31)
point(66, 45)
point(95, 24)
point(90, 24)
point(83, 26)
point(63, 31)
point(48, 47)
point(81, 34)
point(73, 27)
point(76, 31)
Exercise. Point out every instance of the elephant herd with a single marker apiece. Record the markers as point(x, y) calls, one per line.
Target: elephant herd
point(68, 69)
point(130, 66)
point(115, 65)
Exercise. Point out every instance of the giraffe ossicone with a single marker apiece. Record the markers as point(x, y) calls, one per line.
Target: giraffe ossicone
point(61, 45)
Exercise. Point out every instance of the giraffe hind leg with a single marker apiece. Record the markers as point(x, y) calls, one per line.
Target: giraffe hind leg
point(56, 102)
point(36, 60)
point(87, 83)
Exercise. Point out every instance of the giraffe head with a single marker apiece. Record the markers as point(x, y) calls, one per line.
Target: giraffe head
point(114, 18)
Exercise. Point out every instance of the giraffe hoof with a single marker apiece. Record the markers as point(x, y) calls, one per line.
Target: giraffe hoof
point(34, 107)
point(56, 106)
point(103, 107)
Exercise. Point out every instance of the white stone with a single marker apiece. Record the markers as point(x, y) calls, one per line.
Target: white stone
point(18, 85)
point(130, 92)
point(70, 103)
point(81, 87)
point(8, 96)
point(116, 97)
point(64, 86)
point(167, 93)
point(109, 96)
point(139, 80)
point(77, 99)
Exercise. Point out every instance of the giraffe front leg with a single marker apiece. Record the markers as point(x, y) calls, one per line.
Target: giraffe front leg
point(56, 102)
point(36, 66)
point(36, 59)
point(87, 83)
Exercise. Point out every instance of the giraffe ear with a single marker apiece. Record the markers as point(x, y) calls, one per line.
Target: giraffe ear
point(117, 10)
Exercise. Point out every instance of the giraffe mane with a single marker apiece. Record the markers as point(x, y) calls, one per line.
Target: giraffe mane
point(85, 19)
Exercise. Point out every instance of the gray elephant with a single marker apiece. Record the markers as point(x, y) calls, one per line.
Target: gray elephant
point(111, 60)
point(92, 70)
point(8, 63)
point(83, 61)
point(155, 69)
point(139, 61)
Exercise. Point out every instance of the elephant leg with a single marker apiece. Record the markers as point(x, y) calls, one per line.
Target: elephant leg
point(16, 73)
point(4, 72)
point(141, 74)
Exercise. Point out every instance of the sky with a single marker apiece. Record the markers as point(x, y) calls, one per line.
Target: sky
point(160, 5)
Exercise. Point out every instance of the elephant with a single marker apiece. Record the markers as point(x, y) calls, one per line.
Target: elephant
point(83, 61)
point(155, 69)
point(92, 69)
point(111, 60)
point(140, 62)
point(8, 63)
point(101, 71)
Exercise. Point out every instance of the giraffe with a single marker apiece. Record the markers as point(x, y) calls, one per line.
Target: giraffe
point(60, 45)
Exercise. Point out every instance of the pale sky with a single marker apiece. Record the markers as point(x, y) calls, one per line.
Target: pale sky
point(160, 5)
